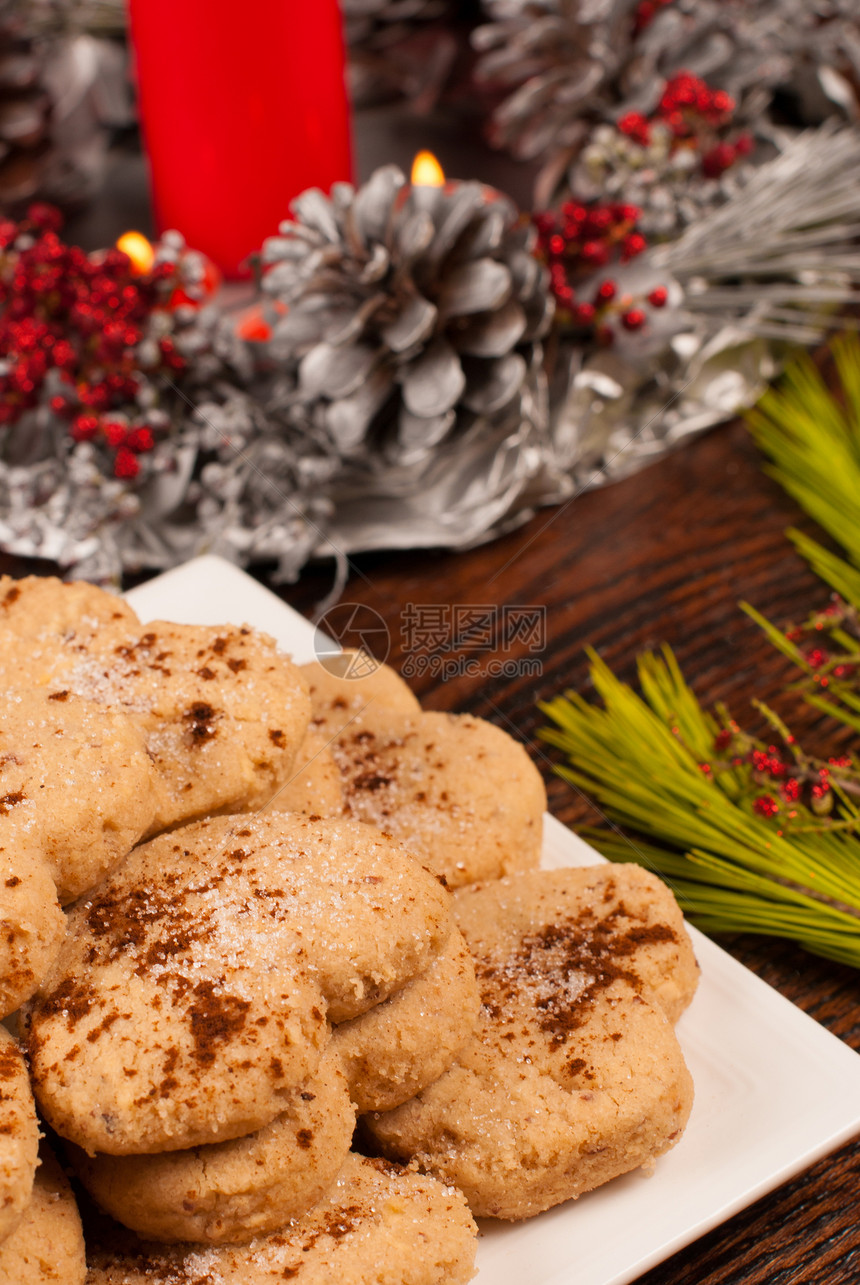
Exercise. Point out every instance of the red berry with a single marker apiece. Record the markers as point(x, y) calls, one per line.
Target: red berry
point(140, 440)
point(658, 297)
point(606, 291)
point(600, 219)
point(126, 464)
point(744, 144)
point(44, 216)
point(632, 245)
point(115, 433)
point(716, 161)
point(765, 805)
point(84, 428)
point(595, 253)
point(722, 103)
point(634, 125)
point(634, 319)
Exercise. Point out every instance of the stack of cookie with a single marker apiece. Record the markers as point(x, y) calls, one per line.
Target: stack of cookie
point(573, 1073)
point(257, 915)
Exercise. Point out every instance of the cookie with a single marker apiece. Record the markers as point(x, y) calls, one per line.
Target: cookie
point(191, 993)
point(378, 1223)
point(350, 684)
point(398, 1048)
point(77, 777)
point(314, 787)
point(77, 791)
point(232, 1191)
point(19, 1136)
point(48, 1243)
point(32, 925)
point(574, 1074)
point(55, 618)
point(222, 712)
point(457, 791)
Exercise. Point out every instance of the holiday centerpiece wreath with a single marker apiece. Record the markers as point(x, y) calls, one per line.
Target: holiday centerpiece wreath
point(426, 365)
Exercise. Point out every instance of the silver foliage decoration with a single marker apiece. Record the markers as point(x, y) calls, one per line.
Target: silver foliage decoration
point(666, 185)
point(771, 268)
point(563, 64)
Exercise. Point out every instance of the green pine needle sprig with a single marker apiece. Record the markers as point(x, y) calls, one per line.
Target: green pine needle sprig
point(810, 429)
point(752, 837)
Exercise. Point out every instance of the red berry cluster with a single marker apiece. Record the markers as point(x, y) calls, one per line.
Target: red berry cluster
point(70, 328)
point(792, 779)
point(837, 620)
point(696, 114)
point(576, 244)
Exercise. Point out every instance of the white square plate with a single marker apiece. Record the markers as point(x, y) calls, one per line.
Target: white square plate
point(774, 1090)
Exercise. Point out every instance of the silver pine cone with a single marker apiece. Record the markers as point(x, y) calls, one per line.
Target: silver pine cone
point(403, 319)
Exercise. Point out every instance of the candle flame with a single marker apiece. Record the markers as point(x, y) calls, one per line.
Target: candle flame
point(139, 251)
point(426, 171)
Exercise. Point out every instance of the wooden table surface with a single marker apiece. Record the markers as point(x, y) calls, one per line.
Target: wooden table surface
point(663, 556)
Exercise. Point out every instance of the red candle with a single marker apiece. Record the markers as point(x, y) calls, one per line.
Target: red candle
point(243, 106)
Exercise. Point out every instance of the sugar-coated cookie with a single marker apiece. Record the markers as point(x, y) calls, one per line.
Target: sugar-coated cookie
point(77, 791)
point(377, 1223)
point(19, 1135)
point(574, 1074)
point(345, 686)
point(397, 1048)
point(314, 787)
point(223, 713)
point(457, 791)
point(221, 710)
point(47, 1243)
point(191, 993)
point(76, 776)
point(55, 618)
point(233, 1191)
point(32, 925)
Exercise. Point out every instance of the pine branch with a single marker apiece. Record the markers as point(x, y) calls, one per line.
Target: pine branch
point(736, 826)
point(812, 436)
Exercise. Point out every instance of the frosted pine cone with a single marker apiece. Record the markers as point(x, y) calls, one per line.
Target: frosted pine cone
point(403, 316)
